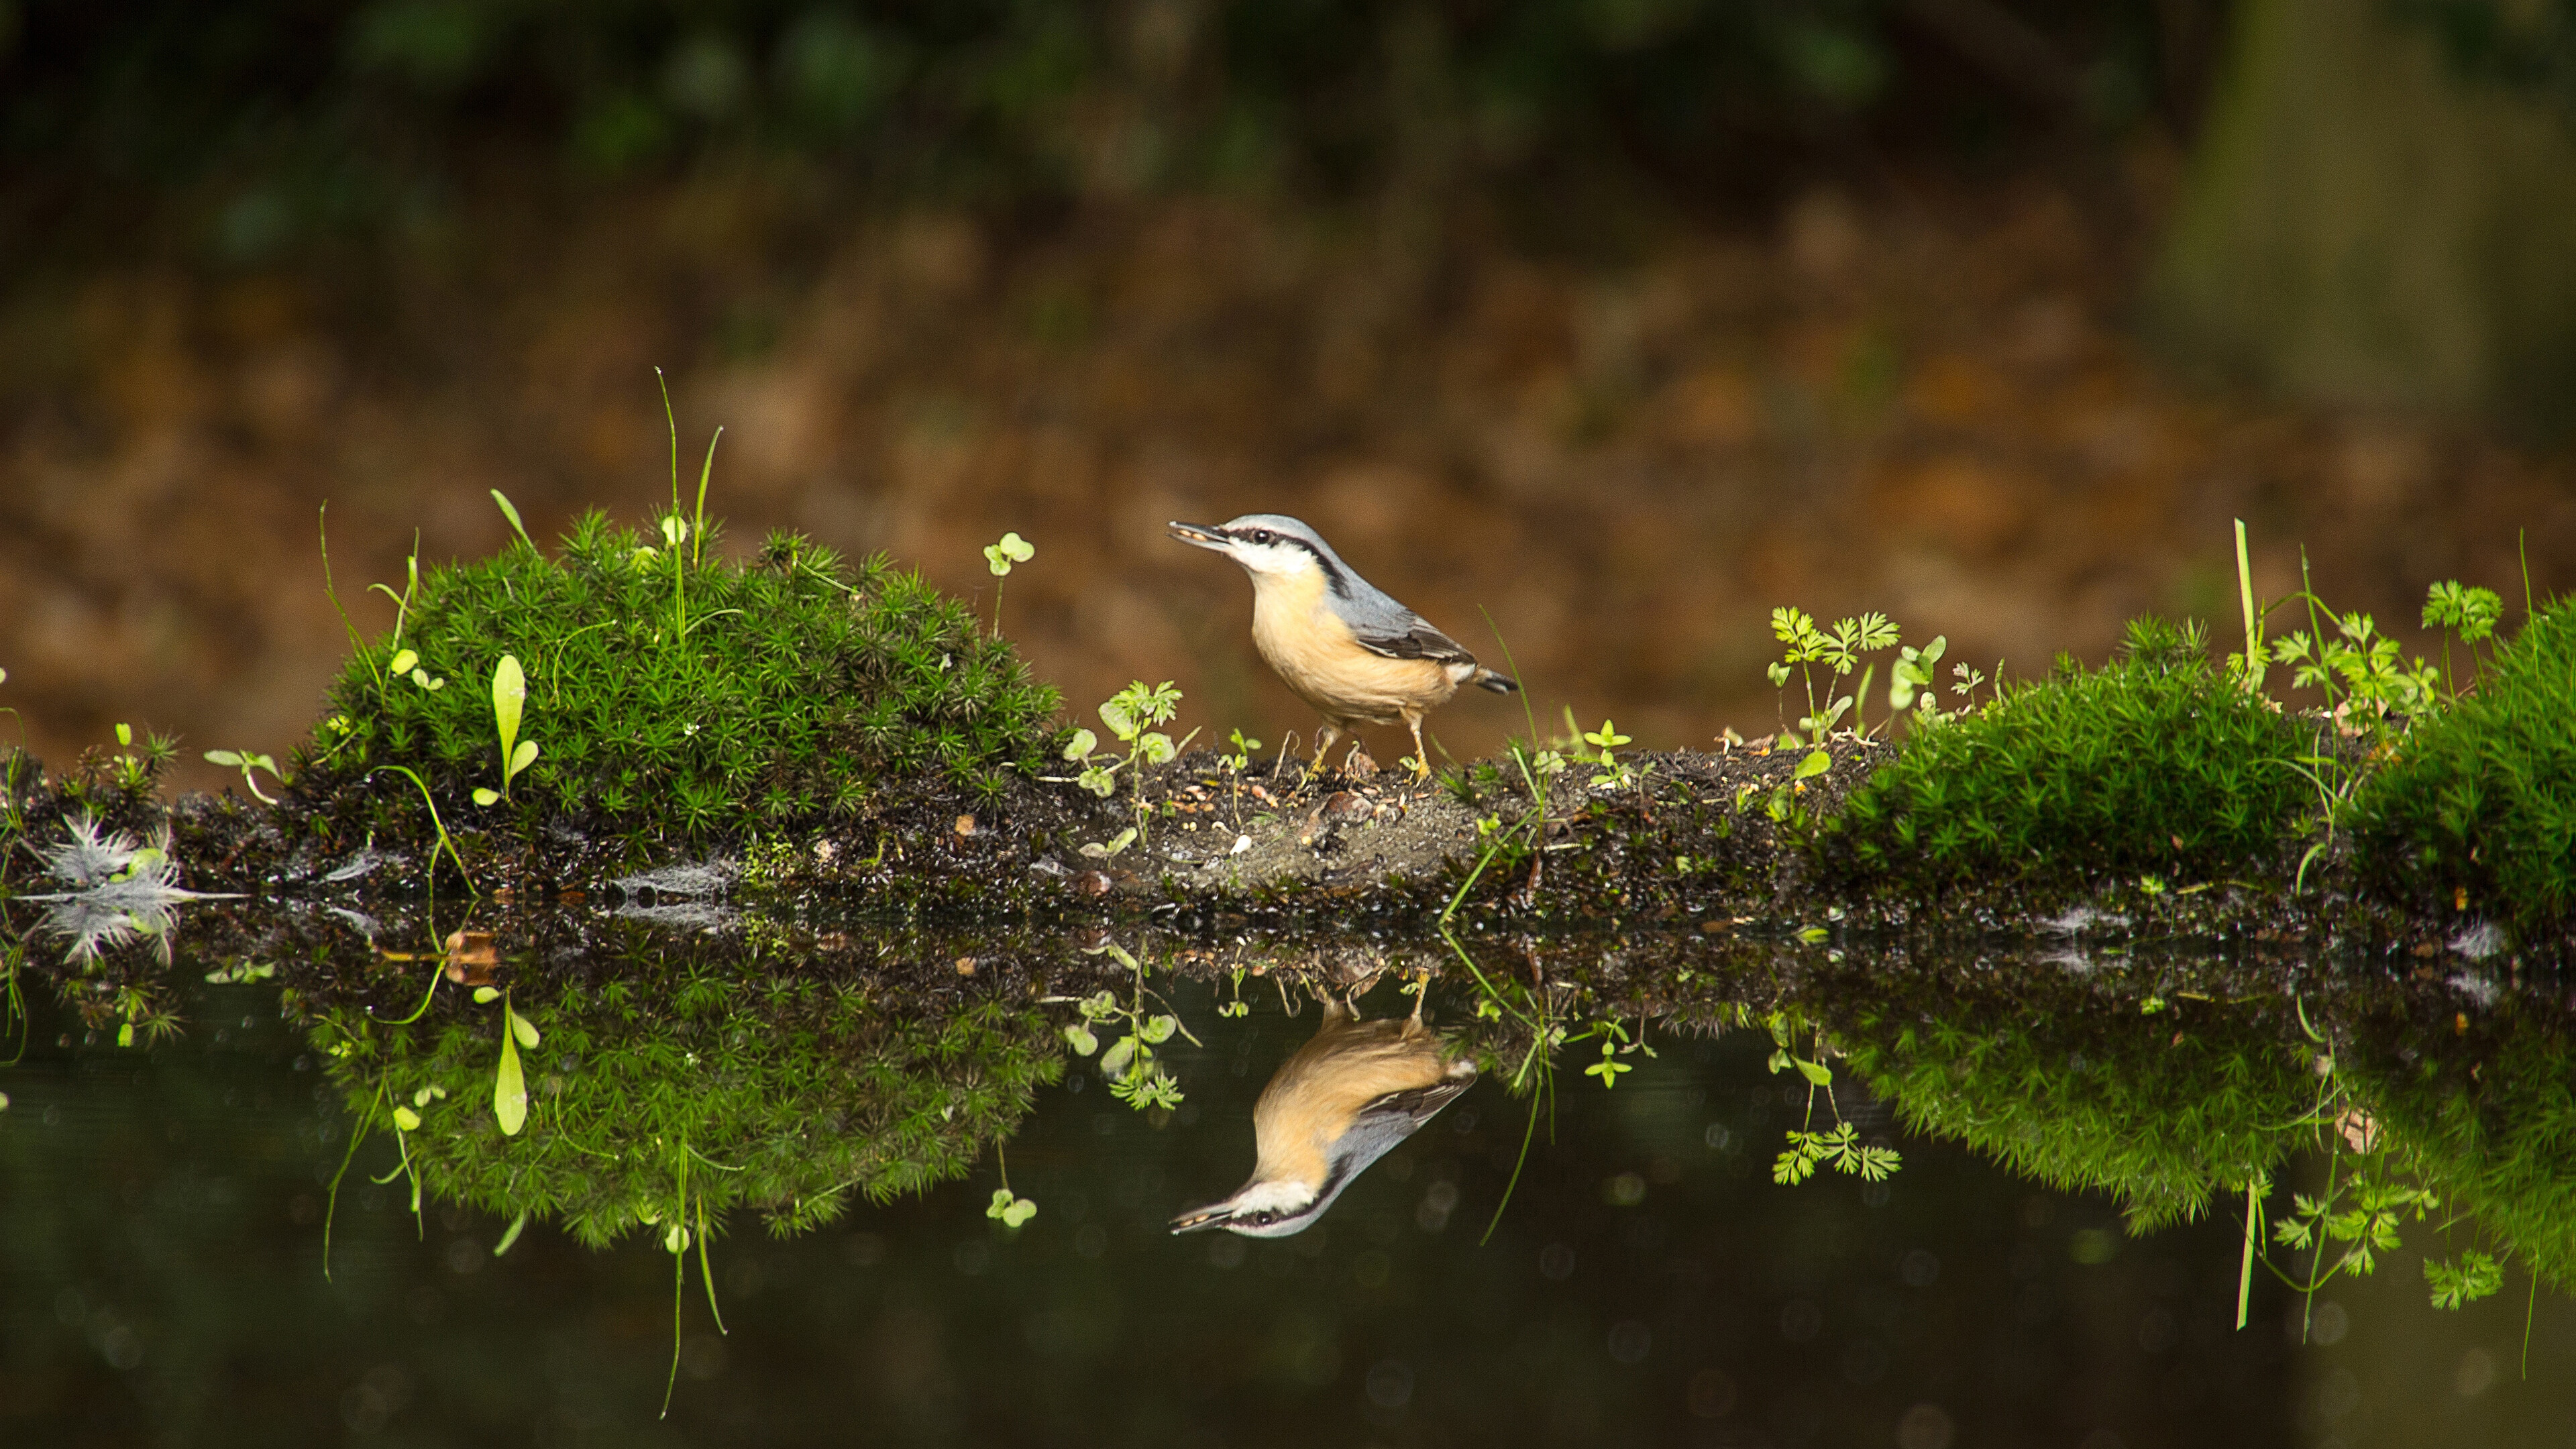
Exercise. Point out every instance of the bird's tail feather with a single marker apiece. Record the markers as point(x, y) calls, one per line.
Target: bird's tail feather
point(1498, 683)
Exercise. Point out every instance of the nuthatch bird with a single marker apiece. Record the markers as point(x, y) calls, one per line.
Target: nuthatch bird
point(1334, 1107)
point(1337, 641)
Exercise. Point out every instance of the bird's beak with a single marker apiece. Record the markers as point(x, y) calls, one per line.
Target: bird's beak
point(1202, 536)
point(1200, 1219)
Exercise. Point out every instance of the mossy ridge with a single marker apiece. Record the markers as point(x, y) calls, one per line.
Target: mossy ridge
point(672, 691)
point(2478, 809)
point(784, 1094)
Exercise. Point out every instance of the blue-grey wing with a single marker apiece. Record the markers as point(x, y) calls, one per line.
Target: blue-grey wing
point(1408, 637)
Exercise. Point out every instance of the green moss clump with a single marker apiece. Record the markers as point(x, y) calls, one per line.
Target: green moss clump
point(2152, 763)
point(2160, 1113)
point(2482, 796)
point(778, 1094)
point(670, 689)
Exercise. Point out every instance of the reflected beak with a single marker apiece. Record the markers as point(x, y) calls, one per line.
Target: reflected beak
point(1201, 535)
point(1199, 1220)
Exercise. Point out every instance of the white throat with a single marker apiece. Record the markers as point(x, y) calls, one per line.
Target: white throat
point(1274, 560)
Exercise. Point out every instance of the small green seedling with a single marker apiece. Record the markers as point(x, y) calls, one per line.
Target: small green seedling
point(246, 762)
point(1909, 682)
point(1244, 749)
point(511, 512)
point(1129, 713)
point(999, 557)
point(137, 765)
point(1841, 650)
point(2470, 613)
point(407, 661)
point(509, 698)
point(1602, 742)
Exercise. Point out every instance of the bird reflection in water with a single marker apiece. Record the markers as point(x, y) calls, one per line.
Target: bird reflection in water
point(1334, 1107)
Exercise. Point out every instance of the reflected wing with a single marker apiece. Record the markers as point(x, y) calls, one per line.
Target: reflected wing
point(1389, 1120)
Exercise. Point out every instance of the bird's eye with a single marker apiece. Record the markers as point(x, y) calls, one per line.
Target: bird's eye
point(1264, 536)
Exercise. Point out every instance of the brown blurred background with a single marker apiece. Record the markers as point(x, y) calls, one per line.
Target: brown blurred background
point(1623, 322)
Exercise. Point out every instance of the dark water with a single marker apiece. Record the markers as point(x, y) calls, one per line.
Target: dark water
point(161, 1281)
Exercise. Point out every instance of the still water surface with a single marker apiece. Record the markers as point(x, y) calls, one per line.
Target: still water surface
point(161, 1279)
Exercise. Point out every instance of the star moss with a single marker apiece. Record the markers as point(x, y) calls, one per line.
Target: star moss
point(2479, 807)
point(669, 689)
point(2151, 763)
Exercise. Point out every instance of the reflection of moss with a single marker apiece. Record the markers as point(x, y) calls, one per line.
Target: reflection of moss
point(783, 1093)
point(703, 696)
point(2483, 796)
point(2161, 1111)
point(2486, 1117)
point(2153, 762)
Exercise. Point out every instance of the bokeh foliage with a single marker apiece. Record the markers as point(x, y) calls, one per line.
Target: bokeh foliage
point(776, 690)
point(288, 119)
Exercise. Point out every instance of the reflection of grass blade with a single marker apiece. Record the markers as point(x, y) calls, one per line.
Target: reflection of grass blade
point(706, 1274)
point(2253, 1194)
point(1528, 1134)
point(331, 1204)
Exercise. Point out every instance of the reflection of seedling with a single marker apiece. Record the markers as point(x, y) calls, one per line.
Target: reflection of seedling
point(509, 1084)
point(1135, 1076)
point(1237, 1006)
point(1007, 1208)
point(1809, 1149)
point(1108, 850)
point(2476, 1275)
point(509, 698)
point(1614, 1044)
point(247, 762)
point(1608, 1068)
point(999, 557)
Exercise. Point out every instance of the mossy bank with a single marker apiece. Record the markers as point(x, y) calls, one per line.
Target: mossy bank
point(535, 726)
